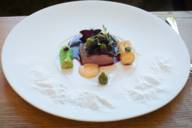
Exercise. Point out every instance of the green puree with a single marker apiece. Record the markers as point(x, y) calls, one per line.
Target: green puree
point(66, 58)
point(103, 79)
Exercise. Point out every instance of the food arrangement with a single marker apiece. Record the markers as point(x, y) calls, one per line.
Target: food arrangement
point(95, 48)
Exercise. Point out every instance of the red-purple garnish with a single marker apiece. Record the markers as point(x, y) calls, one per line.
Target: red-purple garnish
point(88, 33)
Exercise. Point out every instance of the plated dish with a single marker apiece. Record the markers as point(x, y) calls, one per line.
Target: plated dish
point(105, 80)
point(95, 48)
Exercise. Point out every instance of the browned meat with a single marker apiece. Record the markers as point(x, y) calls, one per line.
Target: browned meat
point(101, 60)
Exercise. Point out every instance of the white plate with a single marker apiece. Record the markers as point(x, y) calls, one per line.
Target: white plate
point(30, 52)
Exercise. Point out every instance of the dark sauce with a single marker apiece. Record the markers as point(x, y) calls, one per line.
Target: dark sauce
point(75, 42)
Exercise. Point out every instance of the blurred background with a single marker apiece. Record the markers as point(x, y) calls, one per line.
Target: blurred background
point(27, 7)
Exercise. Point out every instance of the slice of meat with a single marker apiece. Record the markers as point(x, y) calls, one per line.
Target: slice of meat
point(101, 60)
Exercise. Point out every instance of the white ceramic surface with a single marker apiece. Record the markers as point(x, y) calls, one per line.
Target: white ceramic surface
point(36, 39)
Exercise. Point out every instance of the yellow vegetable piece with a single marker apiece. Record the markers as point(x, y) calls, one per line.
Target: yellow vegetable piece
point(127, 58)
point(89, 70)
point(123, 44)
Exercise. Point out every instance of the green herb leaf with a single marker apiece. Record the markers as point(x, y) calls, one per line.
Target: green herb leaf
point(128, 49)
point(103, 46)
point(104, 29)
point(90, 41)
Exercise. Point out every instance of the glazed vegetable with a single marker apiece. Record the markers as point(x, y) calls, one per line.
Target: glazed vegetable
point(89, 70)
point(66, 58)
point(127, 57)
point(103, 79)
point(124, 46)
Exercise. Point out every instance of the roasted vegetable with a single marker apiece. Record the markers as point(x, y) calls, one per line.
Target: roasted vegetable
point(124, 46)
point(66, 58)
point(127, 56)
point(103, 79)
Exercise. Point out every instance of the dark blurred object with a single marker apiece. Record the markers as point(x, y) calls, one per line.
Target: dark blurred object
point(26, 7)
point(182, 4)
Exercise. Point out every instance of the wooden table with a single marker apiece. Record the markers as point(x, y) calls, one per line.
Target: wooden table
point(16, 113)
